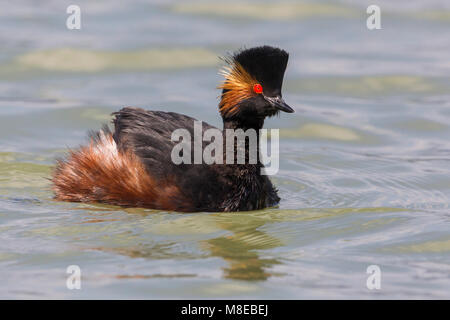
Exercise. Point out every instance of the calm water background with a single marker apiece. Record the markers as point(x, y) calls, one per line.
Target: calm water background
point(364, 166)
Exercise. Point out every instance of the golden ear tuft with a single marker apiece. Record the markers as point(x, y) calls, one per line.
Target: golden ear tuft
point(238, 86)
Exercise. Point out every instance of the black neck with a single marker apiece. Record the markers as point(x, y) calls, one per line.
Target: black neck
point(244, 124)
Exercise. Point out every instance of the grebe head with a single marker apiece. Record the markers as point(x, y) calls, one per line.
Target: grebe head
point(252, 85)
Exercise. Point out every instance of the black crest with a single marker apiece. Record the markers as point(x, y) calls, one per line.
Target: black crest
point(266, 64)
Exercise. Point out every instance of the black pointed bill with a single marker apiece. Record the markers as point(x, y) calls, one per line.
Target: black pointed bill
point(279, 103)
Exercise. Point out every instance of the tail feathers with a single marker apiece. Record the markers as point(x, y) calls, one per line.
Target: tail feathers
point(100, 173)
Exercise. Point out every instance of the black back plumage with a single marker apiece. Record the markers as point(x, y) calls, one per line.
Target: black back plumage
point(148, 134)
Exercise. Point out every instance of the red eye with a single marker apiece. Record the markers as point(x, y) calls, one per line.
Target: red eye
point(257, 88)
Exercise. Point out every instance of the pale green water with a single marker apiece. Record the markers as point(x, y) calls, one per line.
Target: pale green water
point(364, 166)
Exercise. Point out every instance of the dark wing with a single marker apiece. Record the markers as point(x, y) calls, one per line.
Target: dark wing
point(148, 135)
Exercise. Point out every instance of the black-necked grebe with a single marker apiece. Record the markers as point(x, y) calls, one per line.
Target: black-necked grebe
point(132, 165)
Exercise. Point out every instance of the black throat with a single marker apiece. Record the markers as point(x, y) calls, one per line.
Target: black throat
point(244, 123)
